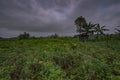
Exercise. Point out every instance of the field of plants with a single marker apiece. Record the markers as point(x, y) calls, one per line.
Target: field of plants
point(59, 59)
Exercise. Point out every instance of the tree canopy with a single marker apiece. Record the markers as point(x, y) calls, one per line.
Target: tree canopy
point(100, 29)
point(25, 35)
point(85, 28)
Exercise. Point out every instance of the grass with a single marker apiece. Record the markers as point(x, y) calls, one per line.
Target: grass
point(59, 59)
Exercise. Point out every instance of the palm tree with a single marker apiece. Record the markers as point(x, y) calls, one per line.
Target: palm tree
point(89, 28)
point(100, 30)
point(118, 30)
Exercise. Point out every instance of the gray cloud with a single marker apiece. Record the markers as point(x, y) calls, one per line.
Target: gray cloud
point(42, 17)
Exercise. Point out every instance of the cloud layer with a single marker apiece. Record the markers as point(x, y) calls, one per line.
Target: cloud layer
point(42, 17)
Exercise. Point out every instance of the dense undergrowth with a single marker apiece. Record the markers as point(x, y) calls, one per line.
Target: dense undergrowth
point(59, 59)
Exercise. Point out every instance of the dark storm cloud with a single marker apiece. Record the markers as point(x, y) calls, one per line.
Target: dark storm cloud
point(105, 12)
point(54, 16)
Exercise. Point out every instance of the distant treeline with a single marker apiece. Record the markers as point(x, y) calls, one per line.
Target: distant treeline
point(26, 35)
point(86, 31)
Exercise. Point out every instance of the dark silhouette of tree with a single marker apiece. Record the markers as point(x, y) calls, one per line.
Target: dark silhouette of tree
point(54, 36)
point(80, 22)
point(1, 38)
point(25, 35)
point(100, 30)
point(89, 28)
point(84, 28)
point(118, 30)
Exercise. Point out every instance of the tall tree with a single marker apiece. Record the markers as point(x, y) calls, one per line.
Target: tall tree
point(80, 22)
point(84, 28)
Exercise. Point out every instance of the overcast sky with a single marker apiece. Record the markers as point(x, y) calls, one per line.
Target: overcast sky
point(46, 17)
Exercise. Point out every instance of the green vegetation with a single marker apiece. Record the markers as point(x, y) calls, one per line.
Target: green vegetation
point(83, 27)
point(86, 29)
point(62, 58)
point(59, 59)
